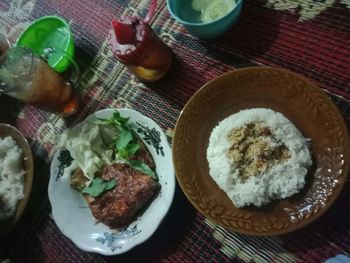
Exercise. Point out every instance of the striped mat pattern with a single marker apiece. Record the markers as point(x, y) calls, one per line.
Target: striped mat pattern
point(310, 37)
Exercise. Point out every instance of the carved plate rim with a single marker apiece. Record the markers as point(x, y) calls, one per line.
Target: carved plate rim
point(188, 158)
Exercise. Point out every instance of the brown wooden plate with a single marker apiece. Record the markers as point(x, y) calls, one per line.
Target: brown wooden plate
point(8, 130)
point(303, 103)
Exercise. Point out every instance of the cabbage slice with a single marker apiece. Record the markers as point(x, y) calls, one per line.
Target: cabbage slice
point(88, 149)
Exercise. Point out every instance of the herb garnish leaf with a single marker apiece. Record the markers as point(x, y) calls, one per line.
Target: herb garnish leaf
point(126, 144)
point(99, 186)
point(130, 149)
point(115, 120)
point(124, 138)
point(142, 167)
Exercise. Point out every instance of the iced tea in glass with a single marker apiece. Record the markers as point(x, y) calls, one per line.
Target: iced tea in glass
point(4, 43)
point(28, 78)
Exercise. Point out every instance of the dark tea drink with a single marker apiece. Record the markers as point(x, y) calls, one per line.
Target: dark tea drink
point(49, 90)
point(4, 43)
point(31, 80)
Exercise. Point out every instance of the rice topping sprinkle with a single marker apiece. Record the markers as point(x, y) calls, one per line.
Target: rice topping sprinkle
point(258, 155)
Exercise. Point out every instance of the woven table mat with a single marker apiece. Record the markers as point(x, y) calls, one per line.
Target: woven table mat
point(308, 37)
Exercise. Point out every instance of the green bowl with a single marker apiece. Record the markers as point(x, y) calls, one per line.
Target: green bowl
point(182, 11)
point(50, 33)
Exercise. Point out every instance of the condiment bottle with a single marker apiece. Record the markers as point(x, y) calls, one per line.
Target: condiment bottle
point(135, 44)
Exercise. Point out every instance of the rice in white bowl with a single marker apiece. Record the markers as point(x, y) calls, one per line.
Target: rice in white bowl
point(11, 177)
point(256, 175)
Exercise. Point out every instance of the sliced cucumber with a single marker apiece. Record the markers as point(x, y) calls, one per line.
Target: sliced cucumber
point(199, 5)
point(217, 9)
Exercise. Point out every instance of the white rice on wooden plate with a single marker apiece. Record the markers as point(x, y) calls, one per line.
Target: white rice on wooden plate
point(279, 181)
point(11, 177)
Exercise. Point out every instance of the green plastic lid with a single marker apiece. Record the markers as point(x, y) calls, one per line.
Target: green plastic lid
point(47, 35)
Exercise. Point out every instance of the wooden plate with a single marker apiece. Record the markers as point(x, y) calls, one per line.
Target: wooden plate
point(8, 130)
point(303, 103)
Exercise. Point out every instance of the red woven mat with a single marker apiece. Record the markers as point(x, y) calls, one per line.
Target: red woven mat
point(308, 37)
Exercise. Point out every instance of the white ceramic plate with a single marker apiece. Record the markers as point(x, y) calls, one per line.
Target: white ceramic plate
point(72, 214)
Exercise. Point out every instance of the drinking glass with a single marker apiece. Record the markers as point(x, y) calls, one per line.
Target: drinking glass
point(4, 43)
point(27, 77)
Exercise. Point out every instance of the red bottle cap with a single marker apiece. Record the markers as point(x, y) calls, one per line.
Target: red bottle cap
point(130, 39)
